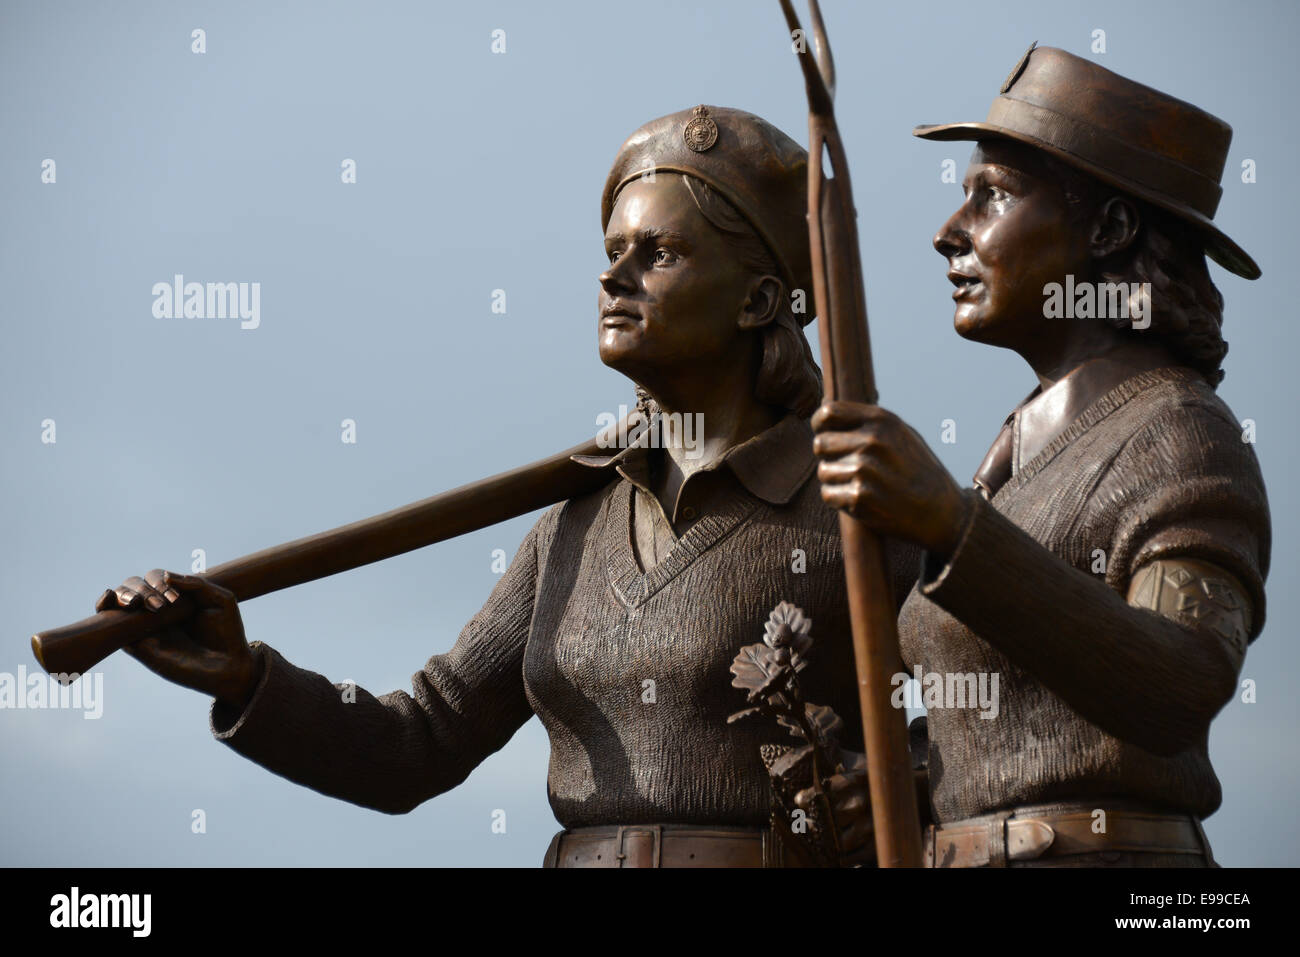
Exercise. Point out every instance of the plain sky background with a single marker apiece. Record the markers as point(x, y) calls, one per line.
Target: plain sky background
point(475, 172)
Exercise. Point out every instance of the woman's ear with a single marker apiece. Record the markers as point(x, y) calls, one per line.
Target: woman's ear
point(1114, 228)
point(762, 304)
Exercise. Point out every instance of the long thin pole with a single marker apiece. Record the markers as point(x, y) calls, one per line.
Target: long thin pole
point(846, 359)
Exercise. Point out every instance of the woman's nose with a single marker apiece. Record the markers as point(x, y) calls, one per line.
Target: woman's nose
point(615, 279)
point(952, 239)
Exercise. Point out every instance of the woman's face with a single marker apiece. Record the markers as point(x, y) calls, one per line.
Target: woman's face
point(1011, 236)
point(673, 292)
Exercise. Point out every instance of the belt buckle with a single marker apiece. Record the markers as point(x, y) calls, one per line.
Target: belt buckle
point(1028, 838)
point(656, 854)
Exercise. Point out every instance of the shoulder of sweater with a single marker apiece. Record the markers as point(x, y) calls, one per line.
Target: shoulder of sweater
point(581, 508)
point(1187, 419)
point(1177, 388)
point(1172, 412)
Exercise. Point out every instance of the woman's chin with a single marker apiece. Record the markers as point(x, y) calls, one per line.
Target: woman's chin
point(968, 325)
point(617, 351)
point(976, 325)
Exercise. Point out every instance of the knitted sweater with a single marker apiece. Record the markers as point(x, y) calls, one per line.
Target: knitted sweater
point(575, 633)
point(1098, 699)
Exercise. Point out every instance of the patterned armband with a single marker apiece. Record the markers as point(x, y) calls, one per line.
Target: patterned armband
point(1196, 594)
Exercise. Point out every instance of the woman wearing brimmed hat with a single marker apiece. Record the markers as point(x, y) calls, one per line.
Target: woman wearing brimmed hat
point(1109, 563)
point(620, 616)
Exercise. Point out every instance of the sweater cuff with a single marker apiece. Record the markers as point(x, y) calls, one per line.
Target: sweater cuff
point(223, 720)
point(934, 570)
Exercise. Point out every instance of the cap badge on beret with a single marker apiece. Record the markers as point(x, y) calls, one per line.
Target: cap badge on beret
point(1020, 68)
point(701, 132)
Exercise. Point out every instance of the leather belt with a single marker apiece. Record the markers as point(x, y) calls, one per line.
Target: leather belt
point(663, 845)
point(1025, 834)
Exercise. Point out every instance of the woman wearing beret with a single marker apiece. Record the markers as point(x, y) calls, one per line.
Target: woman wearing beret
point(619, 618)
point(1109, 563)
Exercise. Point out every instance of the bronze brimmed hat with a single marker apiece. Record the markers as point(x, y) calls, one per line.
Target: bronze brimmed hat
point(1155, 147)
point(760, 171)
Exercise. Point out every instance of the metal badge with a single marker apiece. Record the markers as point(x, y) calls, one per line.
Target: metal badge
point(1020, 68)
point(701, 132)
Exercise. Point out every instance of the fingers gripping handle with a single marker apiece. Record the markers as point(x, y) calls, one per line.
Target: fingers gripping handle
point(71, 651)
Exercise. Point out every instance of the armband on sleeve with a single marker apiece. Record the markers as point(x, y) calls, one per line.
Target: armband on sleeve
point(1198, 595)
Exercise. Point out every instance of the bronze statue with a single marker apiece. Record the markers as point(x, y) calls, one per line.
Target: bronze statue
point(1108, 566)
point(620, 615)
point(1106, 570)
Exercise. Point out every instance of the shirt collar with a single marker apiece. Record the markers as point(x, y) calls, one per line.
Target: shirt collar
point(772, 465)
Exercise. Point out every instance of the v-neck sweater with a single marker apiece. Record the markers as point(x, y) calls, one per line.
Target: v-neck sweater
point(1154, 469)
point(629, 672)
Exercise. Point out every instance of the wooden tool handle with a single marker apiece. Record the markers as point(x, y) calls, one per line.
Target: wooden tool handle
point(74, 649)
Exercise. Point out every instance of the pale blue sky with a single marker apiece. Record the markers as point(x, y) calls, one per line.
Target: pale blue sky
point(475, 172)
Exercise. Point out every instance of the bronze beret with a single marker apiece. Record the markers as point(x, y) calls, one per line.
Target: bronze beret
point(760, 171)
